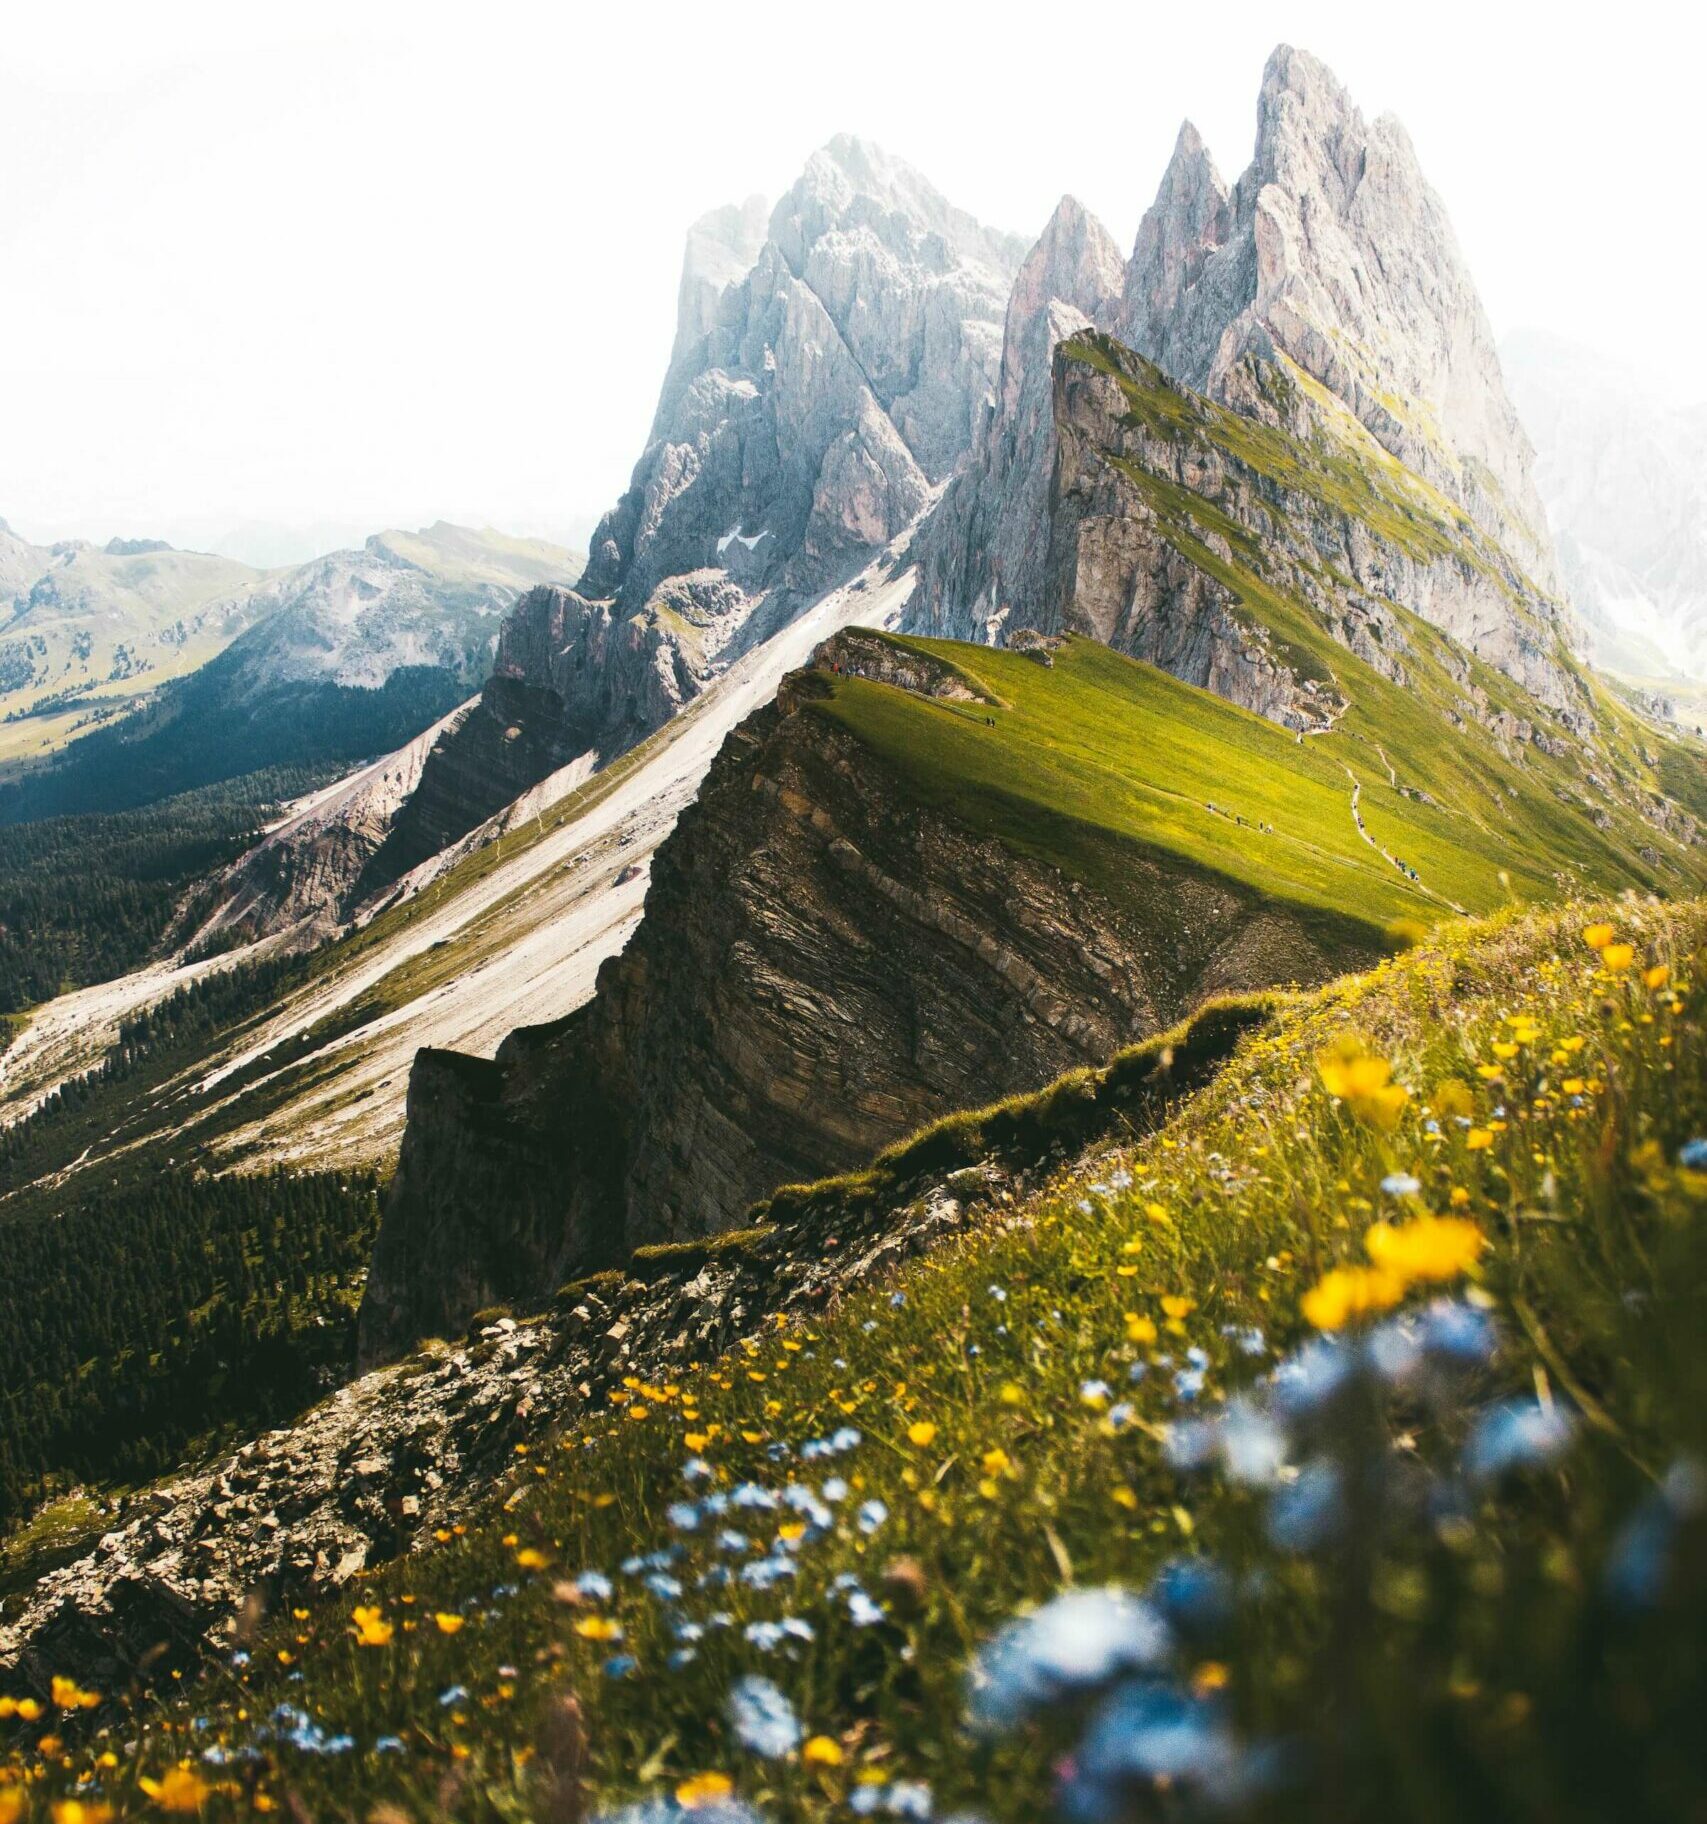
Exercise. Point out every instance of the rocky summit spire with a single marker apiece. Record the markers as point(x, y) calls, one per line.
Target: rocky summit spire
point(1333, 251)
point(982, 552)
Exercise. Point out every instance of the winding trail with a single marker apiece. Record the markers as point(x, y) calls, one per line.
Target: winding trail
point(1386, 855)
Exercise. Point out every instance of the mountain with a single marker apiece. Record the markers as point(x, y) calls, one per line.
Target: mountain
point(336, 660)
point(1333, 251)
point(1624, 477)
point(1279, 301)
point(825, 377)
point(84, 627)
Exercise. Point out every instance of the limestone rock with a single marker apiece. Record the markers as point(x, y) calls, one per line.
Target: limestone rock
point(1333, 250)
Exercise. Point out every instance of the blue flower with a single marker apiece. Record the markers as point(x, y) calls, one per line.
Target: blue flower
point(1074, 1643)
point(1308, 1513)
point(1516, 1435)
point(1638, 1569)
point(872, 1515)
point(1149, 1735)
point(1692, 1155)
point(595, 1586)
point(1400, 1184)
point(862, 1611)
point(621, 1665)
point(1253, 1446)
point(762, 1717)
point(682, 1515)
point(1194, 1596)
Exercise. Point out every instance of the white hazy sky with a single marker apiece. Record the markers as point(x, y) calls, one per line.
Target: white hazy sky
point(331, 267)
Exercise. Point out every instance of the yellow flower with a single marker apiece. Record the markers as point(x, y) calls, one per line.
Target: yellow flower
point(1504, 1049)
point(598, 1627)
point(1013, 1394)
point(822, 1751)
point(77, 1811)
point(178, 1789)
point(1656, 977)
point(1478, 1139)
point(531, 1558)
point(448, 1624)
point(371, 1629)
point(1618, 957)
point(704, 1789)
point(1348, 1293)
point(997, 1462)
point(69, 1695)
point(1427, 1248)
point(1597, 937)
point(1363, 1082)
point(921, 1432)
point(13, 1804)
point(1453, 1098)
point(1173, 1305)
point(1140, 1330)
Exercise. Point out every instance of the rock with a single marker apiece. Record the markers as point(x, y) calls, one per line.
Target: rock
point(980, 555)
point(826, 961)
point(825, 375)
point(1333, 251)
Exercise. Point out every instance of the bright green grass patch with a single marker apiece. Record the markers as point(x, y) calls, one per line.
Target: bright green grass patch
point(1099, 754)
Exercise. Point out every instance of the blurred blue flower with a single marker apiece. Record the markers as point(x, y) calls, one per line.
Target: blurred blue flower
point(1307, 1514)
point(1516, 1435)
point(762, 1717)
point(1076, 1642)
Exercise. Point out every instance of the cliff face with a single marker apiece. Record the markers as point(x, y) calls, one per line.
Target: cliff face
point(828, 370)
point(1333, 250)
point(1191, 535)
point(824, 964)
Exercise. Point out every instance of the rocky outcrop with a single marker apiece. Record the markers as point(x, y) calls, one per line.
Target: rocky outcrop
point(981, 555)
point(824, 963)
point(827, 373)
point(1333, 250)
point(1187, 537)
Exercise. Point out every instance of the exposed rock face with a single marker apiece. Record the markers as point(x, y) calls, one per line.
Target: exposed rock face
point(299, 877)
point(828, 370)
point(434, 597)
point(823, 965)
point(1332, 249)
point(981, 553)
point(1165, 513)
point(831, 385)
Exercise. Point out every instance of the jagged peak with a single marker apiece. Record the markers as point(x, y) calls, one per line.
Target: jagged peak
point(1074, 262)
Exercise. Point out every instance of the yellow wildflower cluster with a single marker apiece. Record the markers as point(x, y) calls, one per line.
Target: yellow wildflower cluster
point(1363, 1082)
point(1427, 1251)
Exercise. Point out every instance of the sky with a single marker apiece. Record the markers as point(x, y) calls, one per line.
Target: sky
point(272, 276)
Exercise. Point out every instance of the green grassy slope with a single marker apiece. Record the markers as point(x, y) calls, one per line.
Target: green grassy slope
point(1560, 821)
point(1023, 1403)
point(1100, 750)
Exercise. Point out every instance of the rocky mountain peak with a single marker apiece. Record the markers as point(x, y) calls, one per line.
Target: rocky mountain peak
point(1332, 251)
point(1075, 263)
point(721, 248)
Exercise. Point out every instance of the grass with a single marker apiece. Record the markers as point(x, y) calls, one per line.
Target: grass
point(1557, 822)
point(1100, 758)
point(1549, 1089)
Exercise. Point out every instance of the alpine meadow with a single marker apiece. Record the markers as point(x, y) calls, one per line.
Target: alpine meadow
point(993, 1110)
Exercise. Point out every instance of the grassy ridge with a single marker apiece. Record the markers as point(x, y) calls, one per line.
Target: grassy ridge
point(1540, 819)
point(1014, 1396)
point(1101, 751)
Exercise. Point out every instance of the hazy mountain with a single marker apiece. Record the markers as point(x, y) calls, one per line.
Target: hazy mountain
point(1624, 475)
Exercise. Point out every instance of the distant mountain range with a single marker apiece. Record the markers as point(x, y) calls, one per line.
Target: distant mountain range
point(133, 671)
point(85, 629)
point(1623, 473)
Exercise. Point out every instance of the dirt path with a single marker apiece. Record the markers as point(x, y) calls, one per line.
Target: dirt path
point(1409, 873)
